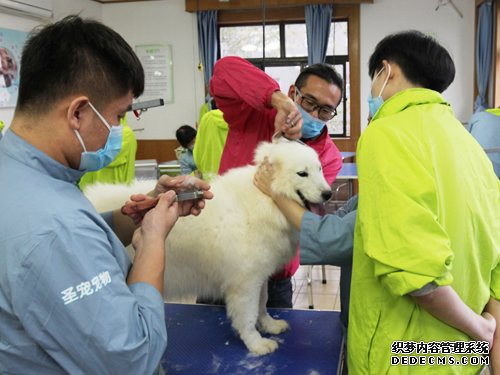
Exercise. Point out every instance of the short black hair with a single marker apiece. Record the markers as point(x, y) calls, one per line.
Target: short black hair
point(76, 56)
point(325, 72)
point(422, 59)
point(185, 135)
point(213, 104)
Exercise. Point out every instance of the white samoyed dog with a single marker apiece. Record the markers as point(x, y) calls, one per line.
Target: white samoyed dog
point(239, 240)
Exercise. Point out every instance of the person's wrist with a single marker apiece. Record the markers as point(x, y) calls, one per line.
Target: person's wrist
point(152, 244)
point(480, 330)
point(277, 99)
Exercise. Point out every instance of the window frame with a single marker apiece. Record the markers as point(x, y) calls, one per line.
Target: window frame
point(290, 14)
point(284, 61)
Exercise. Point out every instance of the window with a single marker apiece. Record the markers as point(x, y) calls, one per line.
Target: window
point(285, 55)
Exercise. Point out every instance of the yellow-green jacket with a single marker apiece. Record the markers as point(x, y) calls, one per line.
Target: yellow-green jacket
point(210, 140)
point(429, 211)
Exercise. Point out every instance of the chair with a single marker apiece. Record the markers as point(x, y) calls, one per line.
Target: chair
point(309, 284)
point(340, 195)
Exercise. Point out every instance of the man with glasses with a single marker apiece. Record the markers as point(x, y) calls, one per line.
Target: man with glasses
point(325, 112)
point(256, 109)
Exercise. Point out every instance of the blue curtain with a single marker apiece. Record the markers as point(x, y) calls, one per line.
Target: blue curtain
point(207, 41)
point(318, 22)
point(484, 46)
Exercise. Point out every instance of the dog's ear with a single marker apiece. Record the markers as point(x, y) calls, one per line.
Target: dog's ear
point(263, 150)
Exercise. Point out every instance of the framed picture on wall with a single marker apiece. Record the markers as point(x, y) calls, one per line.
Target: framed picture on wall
point(11, 47)
point(157, 62)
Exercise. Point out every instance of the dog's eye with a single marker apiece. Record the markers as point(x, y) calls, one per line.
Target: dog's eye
point(303, 174)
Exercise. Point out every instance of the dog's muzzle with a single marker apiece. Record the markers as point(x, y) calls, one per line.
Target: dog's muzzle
point(325, 196)
point(303, 199)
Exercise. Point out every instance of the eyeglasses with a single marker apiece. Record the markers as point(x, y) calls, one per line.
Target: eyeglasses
point(325, 113)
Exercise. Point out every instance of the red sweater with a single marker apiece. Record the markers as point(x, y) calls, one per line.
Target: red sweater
point(243, 93)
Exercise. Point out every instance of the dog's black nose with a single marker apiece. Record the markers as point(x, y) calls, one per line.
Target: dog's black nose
point(326, 194)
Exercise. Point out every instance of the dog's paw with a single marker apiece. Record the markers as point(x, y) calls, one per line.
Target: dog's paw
point(262, 346)
point(273, 326)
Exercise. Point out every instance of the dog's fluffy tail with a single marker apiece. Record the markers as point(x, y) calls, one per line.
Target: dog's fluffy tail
point(108, 197)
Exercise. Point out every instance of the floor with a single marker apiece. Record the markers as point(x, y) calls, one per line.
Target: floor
point(325, 295)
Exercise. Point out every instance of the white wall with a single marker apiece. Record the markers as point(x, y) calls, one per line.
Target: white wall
point(454, 33)
point(85, 8)
point(164, 22)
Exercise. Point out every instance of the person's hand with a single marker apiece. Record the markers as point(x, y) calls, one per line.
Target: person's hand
point(264, 176)
point(493, 307)
point(140, 204)
point(157, 222)
point(489, 326)
point(288, 120)
point(183, 183)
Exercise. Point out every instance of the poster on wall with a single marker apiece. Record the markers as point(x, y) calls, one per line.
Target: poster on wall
point(11, 47)
point(157, 62)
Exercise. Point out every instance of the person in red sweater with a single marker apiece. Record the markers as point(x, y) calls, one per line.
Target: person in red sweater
point(255, 109)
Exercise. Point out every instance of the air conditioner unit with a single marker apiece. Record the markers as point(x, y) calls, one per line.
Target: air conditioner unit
point(41, 9)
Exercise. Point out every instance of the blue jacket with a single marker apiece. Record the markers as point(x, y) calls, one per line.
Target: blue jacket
point(329, 240)
point(485, 127)
point(65, 306)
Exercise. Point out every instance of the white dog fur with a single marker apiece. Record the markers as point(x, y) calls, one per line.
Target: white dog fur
point(239, 240)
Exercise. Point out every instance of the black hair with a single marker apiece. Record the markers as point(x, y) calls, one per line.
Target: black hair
point(185, 135)
point(323, 71)
point(76, 56)
point(422, 59)
point(213, 104)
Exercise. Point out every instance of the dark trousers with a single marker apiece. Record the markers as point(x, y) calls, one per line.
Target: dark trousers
point(279, 293)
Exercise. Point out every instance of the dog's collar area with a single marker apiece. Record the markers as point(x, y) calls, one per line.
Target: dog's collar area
point(276, 136)
point(306, 203)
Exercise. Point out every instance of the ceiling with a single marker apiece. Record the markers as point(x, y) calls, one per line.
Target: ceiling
point(119, 1)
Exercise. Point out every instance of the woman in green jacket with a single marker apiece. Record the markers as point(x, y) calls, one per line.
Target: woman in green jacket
point(427, 236)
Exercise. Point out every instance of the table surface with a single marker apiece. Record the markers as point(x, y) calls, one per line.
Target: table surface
point(201, 341)
point(347, 154)
point(348, 171)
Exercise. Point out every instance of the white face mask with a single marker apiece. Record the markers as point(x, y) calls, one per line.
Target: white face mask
point(95, 160)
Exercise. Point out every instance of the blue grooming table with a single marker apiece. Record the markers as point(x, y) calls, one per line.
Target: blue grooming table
point(202, 341)
point(346, 155)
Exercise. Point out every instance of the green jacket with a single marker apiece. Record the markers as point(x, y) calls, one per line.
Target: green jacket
point(210, 140)
point(429, 211)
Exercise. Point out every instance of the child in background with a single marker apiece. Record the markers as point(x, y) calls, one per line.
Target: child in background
point(186, 136)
